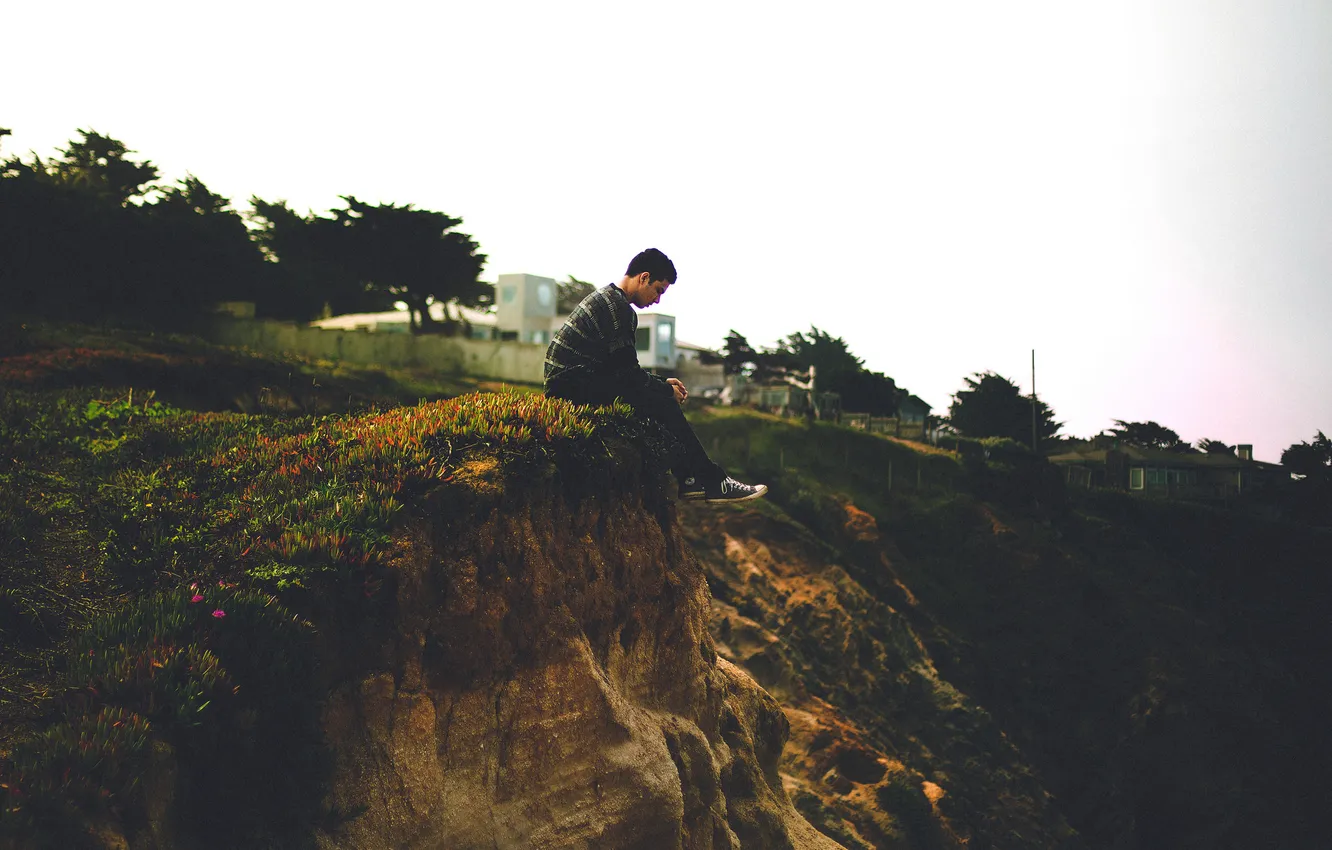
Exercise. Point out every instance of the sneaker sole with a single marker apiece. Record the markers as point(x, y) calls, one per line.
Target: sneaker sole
point(759, 492)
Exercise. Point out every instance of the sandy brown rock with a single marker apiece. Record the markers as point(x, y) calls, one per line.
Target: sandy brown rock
point(882, 752)
point(550, 682)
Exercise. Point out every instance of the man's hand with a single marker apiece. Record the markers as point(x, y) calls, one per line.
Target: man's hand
point(680, 392)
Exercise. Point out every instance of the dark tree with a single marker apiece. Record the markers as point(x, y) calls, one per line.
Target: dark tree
point(101, 166)
point(993, 406)
point(1311, 461)
point(304, 272)
point(838, 370)
point(829, 355)
point(571, 293)
point(1149, 435)
point(1310, 494)
point(203, 250)
point(738, 356)
point(89, 235)
point(411, 255)
point(1214, 447)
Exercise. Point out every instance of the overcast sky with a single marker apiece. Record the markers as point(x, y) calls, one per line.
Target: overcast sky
point(1140, 191)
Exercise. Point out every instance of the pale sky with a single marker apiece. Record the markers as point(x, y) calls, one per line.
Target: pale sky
point(1140, 191)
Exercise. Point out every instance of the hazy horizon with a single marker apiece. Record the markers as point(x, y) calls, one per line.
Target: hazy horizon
point(1142, 194)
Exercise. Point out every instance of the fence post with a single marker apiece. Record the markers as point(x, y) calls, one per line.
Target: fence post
point(917, 476)
point(890, 475)
point(781, 455)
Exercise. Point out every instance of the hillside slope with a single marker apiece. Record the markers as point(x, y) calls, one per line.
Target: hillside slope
point(485, 622)
point(466, 623)
point(1162, 667)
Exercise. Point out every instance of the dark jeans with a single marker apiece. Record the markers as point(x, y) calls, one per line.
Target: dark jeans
point(655, 401)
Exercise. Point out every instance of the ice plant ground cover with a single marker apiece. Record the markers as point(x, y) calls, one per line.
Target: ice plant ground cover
point(154, 562)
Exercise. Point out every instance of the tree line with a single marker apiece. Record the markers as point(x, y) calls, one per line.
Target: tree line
point(989, 405)
point(94, 233)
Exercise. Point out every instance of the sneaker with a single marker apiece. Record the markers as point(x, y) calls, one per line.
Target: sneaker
point(730, 490)
point(691, 489)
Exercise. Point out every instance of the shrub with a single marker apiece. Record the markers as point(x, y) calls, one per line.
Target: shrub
point(85, 766)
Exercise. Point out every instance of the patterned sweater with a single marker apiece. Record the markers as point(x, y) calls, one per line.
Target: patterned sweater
point(597, 341)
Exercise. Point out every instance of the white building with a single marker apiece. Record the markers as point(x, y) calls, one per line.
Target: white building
point(656, 342)
point(525, 308)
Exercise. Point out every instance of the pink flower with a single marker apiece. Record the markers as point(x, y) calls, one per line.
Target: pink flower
point(219, 613)
point(198, 597)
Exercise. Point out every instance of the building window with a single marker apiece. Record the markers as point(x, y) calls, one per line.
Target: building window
point(544, 296)
point(1135, 478)
point(507, 294)
point(643, 339)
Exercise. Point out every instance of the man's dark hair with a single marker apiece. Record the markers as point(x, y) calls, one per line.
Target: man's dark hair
point(655, 263)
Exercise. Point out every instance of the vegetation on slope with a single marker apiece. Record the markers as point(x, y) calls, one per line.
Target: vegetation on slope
point(165, 571)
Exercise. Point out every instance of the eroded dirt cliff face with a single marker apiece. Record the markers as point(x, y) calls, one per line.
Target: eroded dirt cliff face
point(883, 753)
point(549, 681)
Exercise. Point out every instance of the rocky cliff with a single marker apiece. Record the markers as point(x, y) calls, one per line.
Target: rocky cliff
point(549, 680)
point(471, 623)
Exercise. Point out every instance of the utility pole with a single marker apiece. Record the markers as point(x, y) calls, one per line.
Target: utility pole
point(1033, 400)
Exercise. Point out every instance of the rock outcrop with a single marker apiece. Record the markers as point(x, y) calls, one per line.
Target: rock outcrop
point(884, 753)
point(548, 680)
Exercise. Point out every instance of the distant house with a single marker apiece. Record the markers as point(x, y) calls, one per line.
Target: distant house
point(791, 397)
point(703, 379)
point(481, 324)
point(912, 410)
point(1171, 474)
point(656, 342)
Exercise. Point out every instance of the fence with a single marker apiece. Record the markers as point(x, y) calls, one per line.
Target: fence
point(910, 429)
point(503, 361)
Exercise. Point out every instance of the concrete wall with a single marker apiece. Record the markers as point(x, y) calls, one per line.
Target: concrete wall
point(699, 377)
point(501, 361)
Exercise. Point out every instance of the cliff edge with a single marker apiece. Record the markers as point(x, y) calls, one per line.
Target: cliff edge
point(551, 682)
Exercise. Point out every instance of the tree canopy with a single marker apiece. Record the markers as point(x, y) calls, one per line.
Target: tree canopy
point(836, 368)
point(570, 293)
point(1312, 461)
point(91, 234)
point(1149, 435)
point(94, 233)
point(367, 256)
point(1214, 447)
point(992, 406)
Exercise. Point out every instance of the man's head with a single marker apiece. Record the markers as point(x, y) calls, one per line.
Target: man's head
point(647, 278)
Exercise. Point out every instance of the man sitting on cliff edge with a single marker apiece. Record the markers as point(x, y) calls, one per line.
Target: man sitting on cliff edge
point(593, 360)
